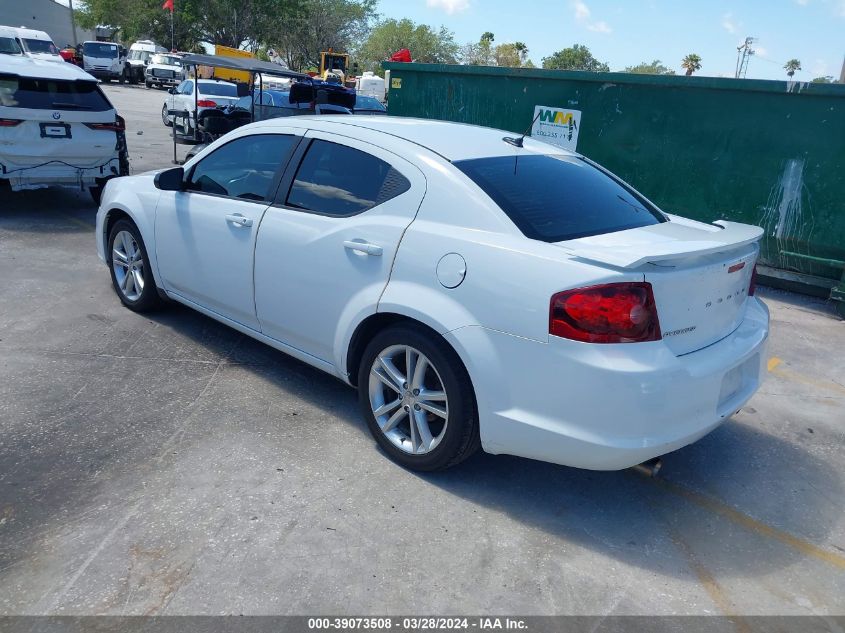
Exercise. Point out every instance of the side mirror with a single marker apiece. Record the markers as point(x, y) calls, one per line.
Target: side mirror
point(170, 179)
point(172, 91)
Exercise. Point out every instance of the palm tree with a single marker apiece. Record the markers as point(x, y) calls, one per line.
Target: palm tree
point(488, 36)
point(521, 50)
point(691, 62)
point(791, 66)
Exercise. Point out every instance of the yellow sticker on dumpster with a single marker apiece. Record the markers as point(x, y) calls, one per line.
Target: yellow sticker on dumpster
point(396, 82)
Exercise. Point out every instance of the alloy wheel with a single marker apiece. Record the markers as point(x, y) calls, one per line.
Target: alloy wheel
point(408, 399)
point(128, 264)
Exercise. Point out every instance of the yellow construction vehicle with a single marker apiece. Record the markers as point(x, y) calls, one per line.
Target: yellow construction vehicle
point(334, 66)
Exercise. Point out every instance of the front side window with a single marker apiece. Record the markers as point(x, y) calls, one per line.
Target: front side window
point(51, 94)
point(554, 198)
point(341, 181)
point(9, 46)
point(244, 168)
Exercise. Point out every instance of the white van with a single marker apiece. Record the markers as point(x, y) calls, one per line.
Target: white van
point(139, 58)
point(104, 60)
point(38, 45)
point(57, 127)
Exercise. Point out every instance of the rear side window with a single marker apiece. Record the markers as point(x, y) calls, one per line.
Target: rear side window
point(244, 168)
point(51, 94)
point(341, 181)
point(219, 90)
point(555, 198)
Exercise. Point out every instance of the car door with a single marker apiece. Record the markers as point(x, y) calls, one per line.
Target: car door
point(326, 246)
point(205, 234)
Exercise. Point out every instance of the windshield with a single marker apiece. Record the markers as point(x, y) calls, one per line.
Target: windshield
point(167, 60)
point(218, 90)
point(99, 49)
point(139, 55)
point(368, 103)
point(51, 94)
point(8, 46)
point(559, 197)
point(41, 46)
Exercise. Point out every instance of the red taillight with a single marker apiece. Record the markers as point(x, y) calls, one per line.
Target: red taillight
point(119, 125)
point(610, 313)
point(10, 122)
point(752, 286)
point(206, 103)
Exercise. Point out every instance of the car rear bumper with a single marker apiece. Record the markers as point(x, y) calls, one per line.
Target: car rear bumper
point(57, 173)
point(607, 407)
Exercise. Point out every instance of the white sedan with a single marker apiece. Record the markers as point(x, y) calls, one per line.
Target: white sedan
point(194, 96)
point(476, 288)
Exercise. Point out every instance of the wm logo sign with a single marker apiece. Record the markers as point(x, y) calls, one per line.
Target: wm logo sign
point(555, 116)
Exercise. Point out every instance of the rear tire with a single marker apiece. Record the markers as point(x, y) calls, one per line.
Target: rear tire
point(131, 276)
point(433, 421)
point(164, 117)
point(96, 194)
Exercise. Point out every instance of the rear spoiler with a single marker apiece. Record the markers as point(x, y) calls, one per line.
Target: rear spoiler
point(675, 240)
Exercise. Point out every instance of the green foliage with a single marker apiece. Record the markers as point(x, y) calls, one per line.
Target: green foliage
point(514, 55)
point(480, 53)
point(227, 22)
point(654, 68)
point(577, 57)
point(691, 63)
point(426, 44)
point(791, 67)
point(827, 79)
point(318, 25)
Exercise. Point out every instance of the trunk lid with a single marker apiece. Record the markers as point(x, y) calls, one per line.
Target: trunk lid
point(700, 274)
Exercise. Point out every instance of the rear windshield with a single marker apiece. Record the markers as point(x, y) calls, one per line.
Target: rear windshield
point(51, 94)
point(8, 46)
point(96, 49)
point(556, 198)
point(219, 90)
point(41, 46)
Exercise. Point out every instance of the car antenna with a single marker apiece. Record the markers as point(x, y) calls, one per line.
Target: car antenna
point(517, 141)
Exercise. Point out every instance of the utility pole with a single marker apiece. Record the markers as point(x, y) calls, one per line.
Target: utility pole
point(743, 54)
point(72, 24)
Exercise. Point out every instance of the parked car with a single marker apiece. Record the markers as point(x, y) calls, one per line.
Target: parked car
point(368, 105)
point(38, 45)
point(211, 94)
point(164, 70)
point(105, 60)
point(57, 127)
point(475, 287)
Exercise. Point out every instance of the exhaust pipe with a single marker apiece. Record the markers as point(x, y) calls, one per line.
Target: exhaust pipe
point(649, 468)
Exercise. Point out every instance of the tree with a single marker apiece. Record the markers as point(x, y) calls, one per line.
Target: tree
point(691, 63)
point(791, 66)
point(827, 79)
point(318, 25)
point(481, 53)
point(578, 57)
point(426, 44)
point(654, 68)
point(143, 19)
point(514, 55)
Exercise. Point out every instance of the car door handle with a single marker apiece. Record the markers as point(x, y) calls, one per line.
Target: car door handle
point(237, 218)
point(363, 247)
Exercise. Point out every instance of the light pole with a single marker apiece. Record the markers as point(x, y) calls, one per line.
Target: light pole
point(72, 24)
point(743, 54)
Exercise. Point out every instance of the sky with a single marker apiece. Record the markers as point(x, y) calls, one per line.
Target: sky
point(625, 33)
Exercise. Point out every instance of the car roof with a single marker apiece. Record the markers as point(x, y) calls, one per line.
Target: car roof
point(24, 31)
point(40, 69)
point(453, 141)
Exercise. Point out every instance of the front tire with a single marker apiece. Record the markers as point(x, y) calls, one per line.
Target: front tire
point(417, 399)
point(131, 275)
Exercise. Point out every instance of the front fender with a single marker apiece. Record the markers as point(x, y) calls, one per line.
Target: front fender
point(137, 197)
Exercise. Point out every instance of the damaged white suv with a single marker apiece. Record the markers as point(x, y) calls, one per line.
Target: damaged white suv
point(57, 128)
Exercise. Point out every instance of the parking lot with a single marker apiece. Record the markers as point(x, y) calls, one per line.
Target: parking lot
point(165, 464)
